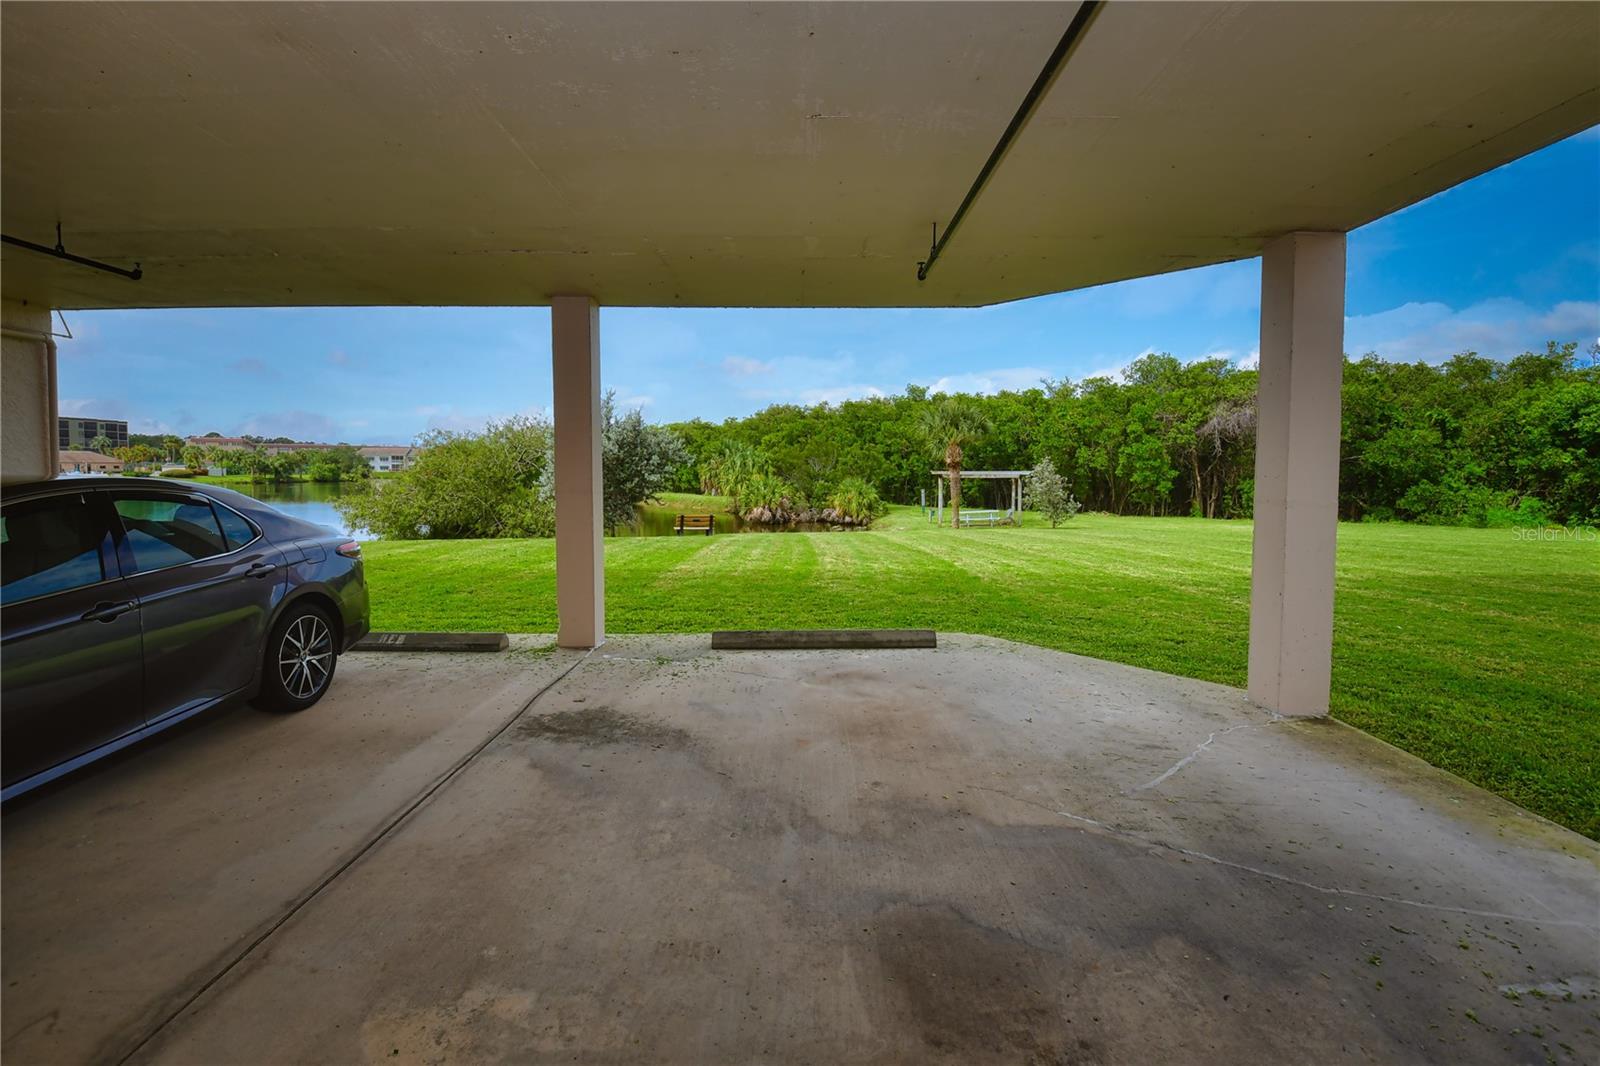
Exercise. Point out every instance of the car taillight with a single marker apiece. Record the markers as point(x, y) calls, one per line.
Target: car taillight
point(350, 549)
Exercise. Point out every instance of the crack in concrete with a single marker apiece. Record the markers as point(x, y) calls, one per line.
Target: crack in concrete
point(1191, 757)
point(1330, 890)
point(1094, 825)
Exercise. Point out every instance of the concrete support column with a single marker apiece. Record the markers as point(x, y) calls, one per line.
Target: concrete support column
point(29, 447)
point(580, 545)
point(1297, 472)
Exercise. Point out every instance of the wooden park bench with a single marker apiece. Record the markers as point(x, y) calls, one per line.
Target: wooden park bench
point(694, 523)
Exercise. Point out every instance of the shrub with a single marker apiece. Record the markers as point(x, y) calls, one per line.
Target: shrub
point(463, 485)
point(637, 461)
point(727, 471)
point(765, 491)
point(1528, 511)
point(1048, 490)
point(341, 463)
point(856, 501)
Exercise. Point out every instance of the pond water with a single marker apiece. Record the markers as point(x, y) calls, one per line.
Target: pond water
point(309, 501)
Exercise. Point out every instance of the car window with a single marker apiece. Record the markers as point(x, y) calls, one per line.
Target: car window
point(49, 545)
point(237, 531)
point(168, 532)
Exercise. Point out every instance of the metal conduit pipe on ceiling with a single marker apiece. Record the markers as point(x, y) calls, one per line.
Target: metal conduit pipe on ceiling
point(1041, 85)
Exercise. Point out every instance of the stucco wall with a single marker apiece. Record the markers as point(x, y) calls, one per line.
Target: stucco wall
point(27, 395)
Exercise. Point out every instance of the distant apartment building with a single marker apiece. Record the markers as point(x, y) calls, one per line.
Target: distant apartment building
point(76, 433)
point(384, 458)
point(82, 462)
point(240, 444)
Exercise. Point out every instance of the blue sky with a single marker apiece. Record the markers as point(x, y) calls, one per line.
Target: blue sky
point(1498, 265)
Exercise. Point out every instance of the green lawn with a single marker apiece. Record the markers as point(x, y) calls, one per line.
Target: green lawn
point(1469, 647)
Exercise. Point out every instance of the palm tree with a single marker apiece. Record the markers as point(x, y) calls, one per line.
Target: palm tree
point(100, 443)
point(173, 445)
point(950, 423)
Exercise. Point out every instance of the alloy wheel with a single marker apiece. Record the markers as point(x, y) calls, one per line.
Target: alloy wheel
point(305, 658)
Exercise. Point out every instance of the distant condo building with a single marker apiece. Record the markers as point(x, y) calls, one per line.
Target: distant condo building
point(77, 433)
point(388, 457)
point(383, 458)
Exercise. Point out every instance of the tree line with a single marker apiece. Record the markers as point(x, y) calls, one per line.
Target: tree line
point(1471, 441)
point(337, 462)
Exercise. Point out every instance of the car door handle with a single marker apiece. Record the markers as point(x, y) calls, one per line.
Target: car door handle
point(106, 611)
point(261, 569)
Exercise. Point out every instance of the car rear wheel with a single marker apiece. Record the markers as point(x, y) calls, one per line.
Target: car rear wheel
point(301, 657)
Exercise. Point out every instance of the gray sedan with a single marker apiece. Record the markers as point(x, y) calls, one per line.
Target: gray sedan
point(129, 605)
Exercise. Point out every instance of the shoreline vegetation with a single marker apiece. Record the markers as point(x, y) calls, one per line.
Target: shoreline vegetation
point(1471, 648)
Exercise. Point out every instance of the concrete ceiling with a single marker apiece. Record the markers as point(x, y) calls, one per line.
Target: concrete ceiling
point(735, 154)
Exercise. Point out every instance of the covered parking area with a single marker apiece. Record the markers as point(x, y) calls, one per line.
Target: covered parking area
point(658, 852)
point(793, 155)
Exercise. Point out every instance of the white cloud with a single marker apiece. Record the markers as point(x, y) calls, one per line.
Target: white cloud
point(798, 379)
point(1116, 371)
point(1222, 288)
point(301, 425)
point(458, 420)
point(839, 393)
point(1499, 329)
point(76, 407)
point(1251, 361)
point(628, 403)
point(989, 382)
point(740, 367)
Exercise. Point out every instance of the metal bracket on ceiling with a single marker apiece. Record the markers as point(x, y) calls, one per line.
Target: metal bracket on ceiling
point(933, 250)
point(60, 252)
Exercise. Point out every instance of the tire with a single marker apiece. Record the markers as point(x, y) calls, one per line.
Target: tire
point(292, 677)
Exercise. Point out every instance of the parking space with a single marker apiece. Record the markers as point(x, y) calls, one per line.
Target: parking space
point(128, 886)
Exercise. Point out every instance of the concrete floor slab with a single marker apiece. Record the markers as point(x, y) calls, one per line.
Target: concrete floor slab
point(983, 853)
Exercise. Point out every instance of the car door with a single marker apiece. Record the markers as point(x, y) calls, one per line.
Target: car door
point(207, 583)
point(71, 673)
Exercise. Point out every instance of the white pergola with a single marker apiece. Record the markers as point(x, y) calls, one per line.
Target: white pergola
point(1013, 476)
point(770, 155)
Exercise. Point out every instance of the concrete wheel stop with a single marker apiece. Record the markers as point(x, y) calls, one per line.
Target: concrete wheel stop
point(432, 642)
point(825, 639)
